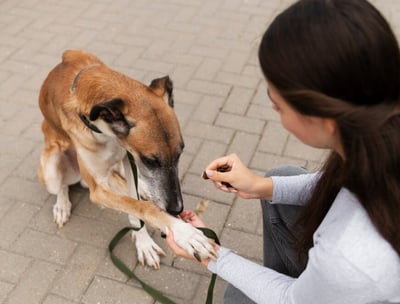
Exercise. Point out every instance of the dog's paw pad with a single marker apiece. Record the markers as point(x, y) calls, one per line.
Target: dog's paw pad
point(193, 241)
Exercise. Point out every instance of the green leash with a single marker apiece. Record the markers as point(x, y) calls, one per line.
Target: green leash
point(157, 295)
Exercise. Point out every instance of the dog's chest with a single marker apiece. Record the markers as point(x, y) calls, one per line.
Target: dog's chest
point(103, 160)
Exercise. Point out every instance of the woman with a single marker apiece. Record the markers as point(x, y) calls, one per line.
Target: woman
point(333, 73)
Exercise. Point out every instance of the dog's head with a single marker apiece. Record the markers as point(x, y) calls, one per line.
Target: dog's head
point(145, 124)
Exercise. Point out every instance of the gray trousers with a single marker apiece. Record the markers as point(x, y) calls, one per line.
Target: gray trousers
point(279, 252)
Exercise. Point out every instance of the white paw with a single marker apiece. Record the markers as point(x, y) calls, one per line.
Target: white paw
point(61, 212)
point(193, 241)
point(147, 250)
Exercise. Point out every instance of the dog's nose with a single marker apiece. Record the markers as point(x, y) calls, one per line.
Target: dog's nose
point(175, 211)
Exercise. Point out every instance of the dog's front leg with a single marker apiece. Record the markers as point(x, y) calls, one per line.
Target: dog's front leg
point(62, 207)
point(147, 250)
point(189, 238)
point(57, 170)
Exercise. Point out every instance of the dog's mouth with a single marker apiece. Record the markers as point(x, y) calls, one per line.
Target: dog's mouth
point(175, 213)
point(172, 212)
point(143, 197)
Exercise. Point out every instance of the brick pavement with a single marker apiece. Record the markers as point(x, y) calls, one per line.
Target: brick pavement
point(209, 49)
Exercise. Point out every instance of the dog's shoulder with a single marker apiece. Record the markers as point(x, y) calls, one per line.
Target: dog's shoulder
point(79, 56)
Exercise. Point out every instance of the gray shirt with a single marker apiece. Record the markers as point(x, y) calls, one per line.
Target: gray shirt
point(350, 262)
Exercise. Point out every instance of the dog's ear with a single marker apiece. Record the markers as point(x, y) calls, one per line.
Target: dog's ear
point(163, 87)
point(111, 113)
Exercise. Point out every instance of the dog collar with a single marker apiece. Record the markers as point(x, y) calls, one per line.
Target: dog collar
point(75, 80)
point(88, 124)
point(83, 117)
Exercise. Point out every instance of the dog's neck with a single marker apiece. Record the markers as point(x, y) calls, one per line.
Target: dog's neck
point(83, 117)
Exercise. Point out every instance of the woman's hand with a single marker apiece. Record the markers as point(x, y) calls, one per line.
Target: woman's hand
point(189, 217)
point(238, 178)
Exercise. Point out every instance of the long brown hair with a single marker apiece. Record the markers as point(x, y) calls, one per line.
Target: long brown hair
point(339, 59)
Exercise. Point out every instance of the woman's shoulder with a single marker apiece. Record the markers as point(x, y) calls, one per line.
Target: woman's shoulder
point(348, 234)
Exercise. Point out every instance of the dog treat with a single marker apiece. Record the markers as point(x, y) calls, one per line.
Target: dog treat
point(201, 207)
point(223, 168)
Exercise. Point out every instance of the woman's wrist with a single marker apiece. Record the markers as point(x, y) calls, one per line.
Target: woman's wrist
point(264, 188)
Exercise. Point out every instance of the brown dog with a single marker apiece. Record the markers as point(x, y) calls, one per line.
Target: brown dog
point(92, 117)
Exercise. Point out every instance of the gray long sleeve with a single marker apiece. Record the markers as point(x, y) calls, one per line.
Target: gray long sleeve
point(293, 190)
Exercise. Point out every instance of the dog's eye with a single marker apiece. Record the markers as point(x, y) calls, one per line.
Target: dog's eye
point(151, 161)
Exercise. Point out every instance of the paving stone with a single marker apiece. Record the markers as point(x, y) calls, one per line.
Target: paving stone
point(34, 285)
point(244, 144)
point(274, 139)
point(75, 278)
point(215, 215)
point(24, 169)
point(46, 247)
point(237, 80)
point(182, 74)
point(244, 215)
point(192, 145)
point(208, 132)
point(184, 112)
point(43, 219)
point(219, 289)
point(11, 85)
point(207, 152)
point(7, 166)
point(128, 56)
point(183, 58)
point(25, 98)
point(261, 95)
point(154, 66)
point(240, 123)
point(5, 205)
point(207, 109)
point(245, 244)
point(21, 121)
point(52, 299)
point(170, 281)
point(126, 252)
point(204, 189)
point(238, 100)
point(235, 61)
point(89, 231)
point(182, 96)
point(297, 149)
point(16, 66)
point(5, 289)
point(208, 68)
point(13, 266)
point(14, 222)
point(207, 51)
point(208, 87)
point(265, 161)
point(32, 194)
point(100, 289)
